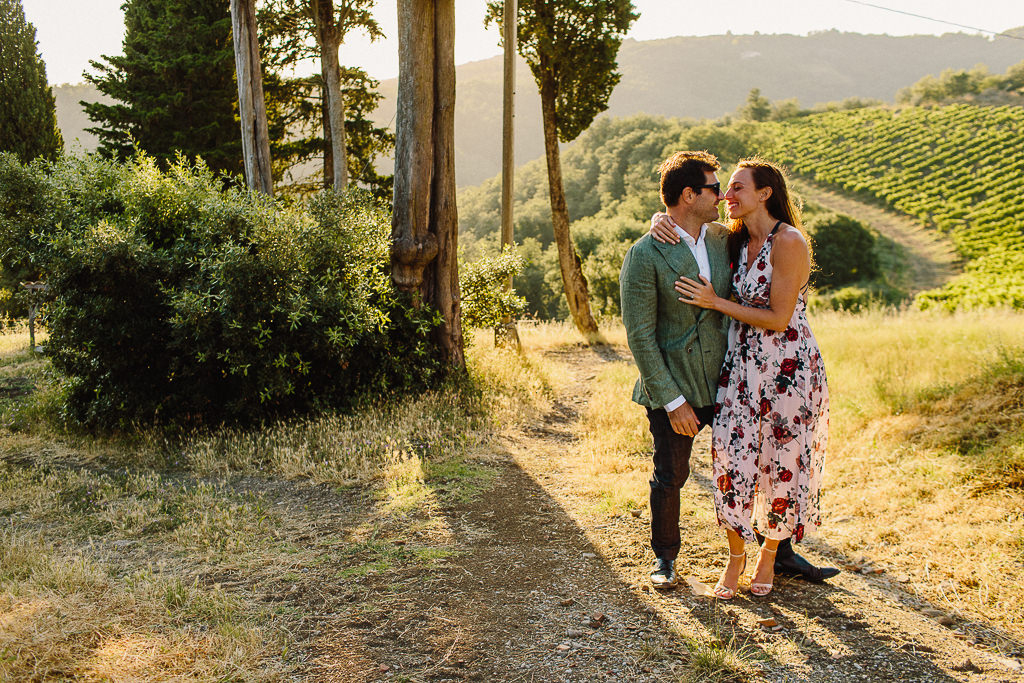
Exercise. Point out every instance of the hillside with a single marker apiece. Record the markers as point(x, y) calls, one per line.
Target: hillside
point(363, 547)
point(958, 169)
point(72, 119)
point(955, 171)
point(695, 77)
point(710, 76)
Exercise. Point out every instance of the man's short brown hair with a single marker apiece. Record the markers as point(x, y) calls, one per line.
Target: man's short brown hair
point(684, 169)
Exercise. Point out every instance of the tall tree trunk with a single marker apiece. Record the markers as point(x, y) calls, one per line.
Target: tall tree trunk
point(252, 108)
point(425, 220)
point(325, 121)
point(329, 40)
point(575, 284)
point(506, 333)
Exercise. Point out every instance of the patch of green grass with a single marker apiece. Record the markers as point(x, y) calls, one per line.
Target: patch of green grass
point(458, 479)
point(719, 661)
point(432, 555)
point(359, 571)
point(373, 552)
point(609, 503)
point(220, 520)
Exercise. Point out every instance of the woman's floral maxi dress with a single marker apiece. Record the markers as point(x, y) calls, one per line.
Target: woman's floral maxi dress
point(771, 423)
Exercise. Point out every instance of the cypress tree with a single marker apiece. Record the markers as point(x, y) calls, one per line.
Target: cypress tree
point(571, 46)
point(174, 85)
point(28, 118)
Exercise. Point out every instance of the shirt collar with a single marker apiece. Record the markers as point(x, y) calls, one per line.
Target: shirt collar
point(689, 240)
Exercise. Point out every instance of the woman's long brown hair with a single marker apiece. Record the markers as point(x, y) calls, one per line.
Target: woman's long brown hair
point(780, 205)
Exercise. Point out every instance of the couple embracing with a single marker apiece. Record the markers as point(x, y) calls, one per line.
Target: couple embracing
point(715, 319)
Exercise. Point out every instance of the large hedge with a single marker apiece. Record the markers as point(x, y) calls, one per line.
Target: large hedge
point(174, 297)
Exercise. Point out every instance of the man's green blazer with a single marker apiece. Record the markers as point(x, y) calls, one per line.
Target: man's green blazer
point(678, 347)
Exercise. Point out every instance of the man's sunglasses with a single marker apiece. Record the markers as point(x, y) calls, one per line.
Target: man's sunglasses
point(717, 187)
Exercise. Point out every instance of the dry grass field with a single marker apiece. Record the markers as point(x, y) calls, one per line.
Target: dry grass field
point(207, 556)
point(925, 470)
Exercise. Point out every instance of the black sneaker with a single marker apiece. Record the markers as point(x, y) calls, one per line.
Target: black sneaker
point(663, 575)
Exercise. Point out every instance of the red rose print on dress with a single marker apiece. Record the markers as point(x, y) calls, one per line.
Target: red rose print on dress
point(775, 381)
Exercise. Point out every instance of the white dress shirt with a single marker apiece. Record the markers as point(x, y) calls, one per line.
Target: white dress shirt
point(699, 249)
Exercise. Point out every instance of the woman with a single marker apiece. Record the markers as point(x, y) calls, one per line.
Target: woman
point(771, 421)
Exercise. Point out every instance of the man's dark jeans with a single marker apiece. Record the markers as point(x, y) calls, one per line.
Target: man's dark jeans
point(671, 469)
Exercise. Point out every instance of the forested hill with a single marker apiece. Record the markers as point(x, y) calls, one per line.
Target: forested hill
point(710, 76)
point(958, 169)
point(698, 77)
point(71, 117)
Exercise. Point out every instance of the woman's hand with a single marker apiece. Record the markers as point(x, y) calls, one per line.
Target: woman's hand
point(663, 229)
point(697, 293)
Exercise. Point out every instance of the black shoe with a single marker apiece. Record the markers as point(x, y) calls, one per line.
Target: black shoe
point(795, 565)
point(663, 575)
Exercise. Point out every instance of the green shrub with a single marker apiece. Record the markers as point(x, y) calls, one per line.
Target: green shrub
point(844, 251)
point(858, 297)
point(485, 301)
point(175, 297)
point(541, 281)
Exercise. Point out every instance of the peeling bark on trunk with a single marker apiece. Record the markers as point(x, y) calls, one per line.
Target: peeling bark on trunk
point(252, 108)
point(573, 280)
point(425, 220)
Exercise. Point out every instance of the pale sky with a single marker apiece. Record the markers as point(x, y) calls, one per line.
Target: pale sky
point(71, 32)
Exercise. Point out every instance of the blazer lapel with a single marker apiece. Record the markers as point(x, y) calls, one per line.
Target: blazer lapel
point(679, 258)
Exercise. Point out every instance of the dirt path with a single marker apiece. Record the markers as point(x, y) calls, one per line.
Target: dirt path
point(931, 259)
point(540, 587)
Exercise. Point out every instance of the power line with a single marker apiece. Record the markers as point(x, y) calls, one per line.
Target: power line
point(940, 21)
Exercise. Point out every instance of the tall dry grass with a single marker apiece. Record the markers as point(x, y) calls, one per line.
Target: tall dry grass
point(72, 609)
point(64, 616)
point(924, 472)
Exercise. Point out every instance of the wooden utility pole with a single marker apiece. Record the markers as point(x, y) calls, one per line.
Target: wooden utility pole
point(425, 222)
point(507, 334)
point(252, 109)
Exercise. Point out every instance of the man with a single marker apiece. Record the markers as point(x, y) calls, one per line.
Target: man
point(679, 349)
